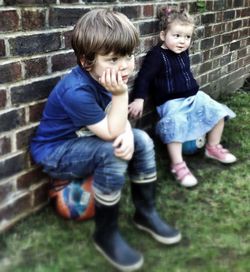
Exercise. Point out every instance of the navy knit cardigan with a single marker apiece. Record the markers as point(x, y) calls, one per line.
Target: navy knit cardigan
point(165, 75)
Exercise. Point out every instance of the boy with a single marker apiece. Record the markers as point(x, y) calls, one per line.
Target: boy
point(85, 131)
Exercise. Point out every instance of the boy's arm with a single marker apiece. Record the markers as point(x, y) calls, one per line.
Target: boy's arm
point(115, 121)
point(124, 144)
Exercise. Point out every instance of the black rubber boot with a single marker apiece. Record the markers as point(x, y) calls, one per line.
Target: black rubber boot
point(146, 217)
point(109, 242)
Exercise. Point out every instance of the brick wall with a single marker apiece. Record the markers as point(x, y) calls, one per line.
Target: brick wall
point(35, 52)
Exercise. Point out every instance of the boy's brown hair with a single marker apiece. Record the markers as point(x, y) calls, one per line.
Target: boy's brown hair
point(102, 31)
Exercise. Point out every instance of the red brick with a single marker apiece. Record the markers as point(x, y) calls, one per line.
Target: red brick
point(147, 28)
point(5, 190)
point(2, 48)
point(217, 29)
point(245, 12)
point(244, 32)
point(36, 111)
point(5, 145)
point(12, 119)
point(32, 92)
point(67, 39)
point(23, 138)
point(35, 67)
point(242, 53)
point(13, 165)
point(208, 18)
point(209, 5)
point(148, 10)
point(20, 205)
point(208, 31)
point(219, 17)
point(229, 15)
point(33, 19)
point(41, 194)
point(59, 17)
point(149, 42)
point(9, 20)
point(247, 60)
point(34, 44)
point(10, 72)
point(217, 40)
point(28, 2)
point(30, 178)
point(69, 1)
point(3, 98)
point(132, 12)
point(63, 61)
point(206, 66)
point(206, 55)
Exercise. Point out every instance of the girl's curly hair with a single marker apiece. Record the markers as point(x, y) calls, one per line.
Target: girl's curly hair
point(167, 16)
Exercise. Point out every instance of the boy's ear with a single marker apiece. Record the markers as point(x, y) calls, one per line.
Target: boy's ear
point(162, 35)
point(84, 63)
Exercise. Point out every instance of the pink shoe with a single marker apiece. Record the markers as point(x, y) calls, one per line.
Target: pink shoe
point(183, 175)
point(219, 153)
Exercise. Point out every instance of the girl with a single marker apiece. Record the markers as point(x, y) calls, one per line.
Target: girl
point(185, 112)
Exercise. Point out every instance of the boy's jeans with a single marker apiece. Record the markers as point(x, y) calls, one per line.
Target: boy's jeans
point(84, 156)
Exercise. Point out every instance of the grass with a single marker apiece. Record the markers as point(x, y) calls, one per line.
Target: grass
point(214, 219)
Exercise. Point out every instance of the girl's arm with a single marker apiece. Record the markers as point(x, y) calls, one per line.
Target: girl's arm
point(150, 68)
point(135, 108)
point(144, 81)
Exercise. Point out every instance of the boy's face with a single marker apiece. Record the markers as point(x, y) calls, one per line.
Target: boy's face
point(177, 38)
point(124, 64)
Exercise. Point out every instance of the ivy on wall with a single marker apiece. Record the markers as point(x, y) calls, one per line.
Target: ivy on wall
point(201, 5)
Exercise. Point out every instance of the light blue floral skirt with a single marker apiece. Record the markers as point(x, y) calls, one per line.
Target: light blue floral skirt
point(185, 119)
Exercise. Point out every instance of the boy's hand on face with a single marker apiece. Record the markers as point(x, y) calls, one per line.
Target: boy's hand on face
point(112, 81)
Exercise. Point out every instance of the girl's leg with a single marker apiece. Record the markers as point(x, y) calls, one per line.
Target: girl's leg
point(214, 136)
point(175, 152)
point(214, 150)
point(179, 167)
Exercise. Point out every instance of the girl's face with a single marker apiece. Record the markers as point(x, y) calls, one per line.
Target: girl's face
point(177, 38)
point(124, 64)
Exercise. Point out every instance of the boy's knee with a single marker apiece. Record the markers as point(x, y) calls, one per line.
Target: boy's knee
point(142, 140)
point(108, 160)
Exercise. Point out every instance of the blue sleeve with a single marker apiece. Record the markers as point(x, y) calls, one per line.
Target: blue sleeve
point(82, 106)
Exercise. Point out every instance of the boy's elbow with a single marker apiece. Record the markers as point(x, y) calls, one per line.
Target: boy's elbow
point(109, 136)
point(114, 134)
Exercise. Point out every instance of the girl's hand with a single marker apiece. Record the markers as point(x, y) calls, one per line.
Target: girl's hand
point(112, 81)
point(135, 109)
point(124, 145)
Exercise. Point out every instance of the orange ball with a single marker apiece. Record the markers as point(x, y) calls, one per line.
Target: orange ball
point(74, 200)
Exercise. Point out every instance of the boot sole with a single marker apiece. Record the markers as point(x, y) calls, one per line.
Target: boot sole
point(163, 240)
point(123, 268)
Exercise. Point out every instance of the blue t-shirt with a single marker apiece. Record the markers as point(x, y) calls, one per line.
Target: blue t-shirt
point(76, 102)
